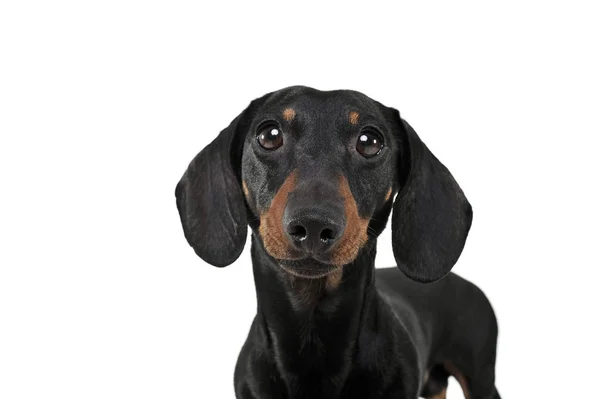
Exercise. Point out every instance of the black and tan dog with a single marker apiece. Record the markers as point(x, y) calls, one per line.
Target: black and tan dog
point(315, 175)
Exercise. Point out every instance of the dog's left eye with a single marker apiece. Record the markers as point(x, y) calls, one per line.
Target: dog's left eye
point(369, 143)
point(270, 137)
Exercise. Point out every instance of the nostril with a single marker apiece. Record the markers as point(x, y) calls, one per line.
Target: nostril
point(328, 235)
point(297, 232)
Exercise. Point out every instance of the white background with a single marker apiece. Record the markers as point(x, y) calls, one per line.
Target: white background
point(103, 104)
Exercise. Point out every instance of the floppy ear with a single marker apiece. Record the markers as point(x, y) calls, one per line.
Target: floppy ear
point(210, 201)
point(431, 216)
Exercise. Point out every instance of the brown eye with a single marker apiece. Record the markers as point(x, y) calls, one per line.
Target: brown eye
point(369, 144)
point(270, 137)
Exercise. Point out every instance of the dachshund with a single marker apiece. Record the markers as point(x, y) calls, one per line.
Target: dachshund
point(316, 175)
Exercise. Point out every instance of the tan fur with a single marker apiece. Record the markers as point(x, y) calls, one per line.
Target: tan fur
point(388, 195)
point(289, 114)
point(426, 377)
point(460, 377)
point(334, 279)
point(441, 395)
point(355, 235)
point(245, 189)
point(271, 225)
point(353, 117)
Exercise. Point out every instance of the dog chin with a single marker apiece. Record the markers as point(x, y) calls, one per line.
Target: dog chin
point(307, 268)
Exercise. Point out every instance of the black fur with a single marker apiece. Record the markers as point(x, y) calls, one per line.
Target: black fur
point(375, 333)
point(431, 216)
point(209, 193)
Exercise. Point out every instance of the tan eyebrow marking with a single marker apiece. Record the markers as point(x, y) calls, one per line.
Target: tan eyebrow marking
point(353, 117)
point(289, 114)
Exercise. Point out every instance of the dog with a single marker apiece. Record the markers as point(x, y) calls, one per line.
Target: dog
point(316, 174)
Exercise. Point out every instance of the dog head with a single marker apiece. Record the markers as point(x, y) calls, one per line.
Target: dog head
point(315, 174)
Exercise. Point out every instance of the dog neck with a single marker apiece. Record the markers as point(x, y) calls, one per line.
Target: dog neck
point(317, 320)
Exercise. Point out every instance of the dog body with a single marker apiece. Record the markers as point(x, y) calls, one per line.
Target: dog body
point(378, 335)
point(314, 174)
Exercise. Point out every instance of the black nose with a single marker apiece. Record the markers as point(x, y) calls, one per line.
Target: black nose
point(314, 233)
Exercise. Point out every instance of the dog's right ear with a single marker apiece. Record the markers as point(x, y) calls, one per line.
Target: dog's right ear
point(210, 200)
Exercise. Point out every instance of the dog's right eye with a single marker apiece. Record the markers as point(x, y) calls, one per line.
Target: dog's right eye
point(270, 137)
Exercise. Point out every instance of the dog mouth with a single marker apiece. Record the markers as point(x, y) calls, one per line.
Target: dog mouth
point(310, 268)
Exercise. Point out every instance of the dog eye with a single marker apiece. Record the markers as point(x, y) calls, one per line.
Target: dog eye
point(270, 137)
point(369, 144)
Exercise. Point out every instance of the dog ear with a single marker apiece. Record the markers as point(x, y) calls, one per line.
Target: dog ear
point(210, 200)
point(431, 215)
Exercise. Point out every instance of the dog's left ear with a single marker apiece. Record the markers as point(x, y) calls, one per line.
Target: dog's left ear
point(210, 200)
point(431, 215)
